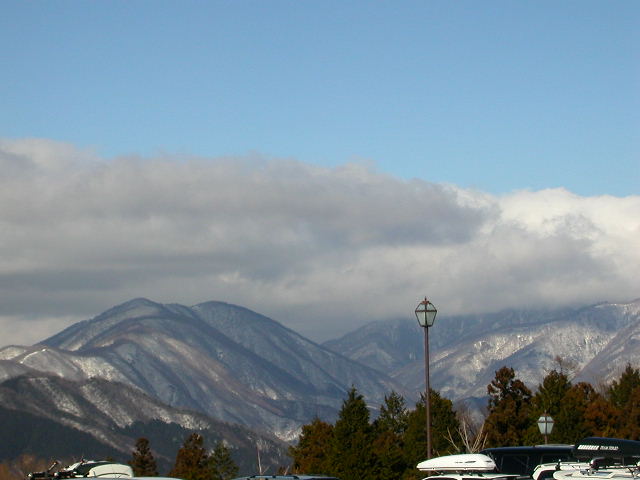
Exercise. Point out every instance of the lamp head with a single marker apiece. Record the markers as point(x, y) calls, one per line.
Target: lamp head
point(426, 313)
point(545, 424)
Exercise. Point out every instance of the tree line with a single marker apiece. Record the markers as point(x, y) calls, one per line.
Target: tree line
point(357, 447)
point(390, 447)
point(193, 462)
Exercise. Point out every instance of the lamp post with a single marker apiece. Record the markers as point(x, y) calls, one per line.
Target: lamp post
point(426, 315)
point(545, 424)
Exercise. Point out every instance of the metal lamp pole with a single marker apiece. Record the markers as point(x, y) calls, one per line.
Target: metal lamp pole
point(426, 315)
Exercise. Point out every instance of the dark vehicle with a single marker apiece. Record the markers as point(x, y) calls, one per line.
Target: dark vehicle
point(523, 460)
point(598, 457)
point(625, 452)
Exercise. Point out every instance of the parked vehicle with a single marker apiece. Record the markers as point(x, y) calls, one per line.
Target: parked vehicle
point(85, 468)
point(524, 460)
point(466, 466)
point(91, 469)
point(546, 471)
point(602, 458)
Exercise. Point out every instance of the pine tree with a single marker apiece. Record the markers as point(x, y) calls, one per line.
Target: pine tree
point(549, 399)
point(142, 461)
point(601, 418)
point(389, 429)
point(444, 424)
point(311, 453)
point(351, 457)
point(221, 465)
point(630, 428)
point(393, 415)
point(509, 410)
point(191, 460)
point(622, 395)
point(389, 456)
point(551, 391)
point(569, 420)
point(620, 390)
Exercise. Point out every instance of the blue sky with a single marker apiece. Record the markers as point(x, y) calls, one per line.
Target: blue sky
point(323, 163)
point(498, 96)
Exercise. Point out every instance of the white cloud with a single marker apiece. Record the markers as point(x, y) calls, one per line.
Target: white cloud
point(319, 249)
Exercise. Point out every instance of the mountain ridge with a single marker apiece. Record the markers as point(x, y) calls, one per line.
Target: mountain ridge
point(467, 350)
point(221, 359)
point(237, 366)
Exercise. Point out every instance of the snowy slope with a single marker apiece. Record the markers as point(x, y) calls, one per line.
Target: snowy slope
point(598, 340)
point(226, 361)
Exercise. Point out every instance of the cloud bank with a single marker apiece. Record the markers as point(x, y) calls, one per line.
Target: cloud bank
point(321, 250)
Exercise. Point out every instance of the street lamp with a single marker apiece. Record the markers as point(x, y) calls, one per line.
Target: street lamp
point(426, 315)
point(545, 424)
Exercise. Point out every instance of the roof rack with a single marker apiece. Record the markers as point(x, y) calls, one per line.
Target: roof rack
point(627, 451)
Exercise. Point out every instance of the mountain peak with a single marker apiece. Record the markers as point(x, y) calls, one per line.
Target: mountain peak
point(230, 362)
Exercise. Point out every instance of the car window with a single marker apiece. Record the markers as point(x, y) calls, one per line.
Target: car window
point(514, 464)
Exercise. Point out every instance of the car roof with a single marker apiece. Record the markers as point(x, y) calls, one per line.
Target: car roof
point(531, 448)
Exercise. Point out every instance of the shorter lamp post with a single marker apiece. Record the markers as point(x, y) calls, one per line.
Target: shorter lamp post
point(426, 315)
point(545, 424)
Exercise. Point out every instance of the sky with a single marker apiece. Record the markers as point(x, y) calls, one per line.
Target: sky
point(323, 163)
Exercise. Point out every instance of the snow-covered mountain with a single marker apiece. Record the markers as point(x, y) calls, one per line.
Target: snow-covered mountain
point(58, 418)
point(598, 341)
point(223, 360)
point(139, 363)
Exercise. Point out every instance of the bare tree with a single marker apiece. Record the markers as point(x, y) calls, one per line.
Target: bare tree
point(472, 436)
point(565, 366)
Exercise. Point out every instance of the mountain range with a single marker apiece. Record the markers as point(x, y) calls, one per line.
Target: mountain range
point(224, 360)
point(166, 369)
point(593, 343)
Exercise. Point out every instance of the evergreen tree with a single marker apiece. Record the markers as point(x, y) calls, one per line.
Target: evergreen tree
point(389, 429)
point(509, 410)
point(351, 456)
point(601, 418)
point(221, 465)
point(548, 399)
point(311, 453)
point(620, 390)
point(389, 456)
point(393, 415)
point(444, 424)
point(623, 396)
point(191, 460)
point(142, 460)
point(415, 441)
point(630, 427)
point(551, 391)
point(569, 419)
